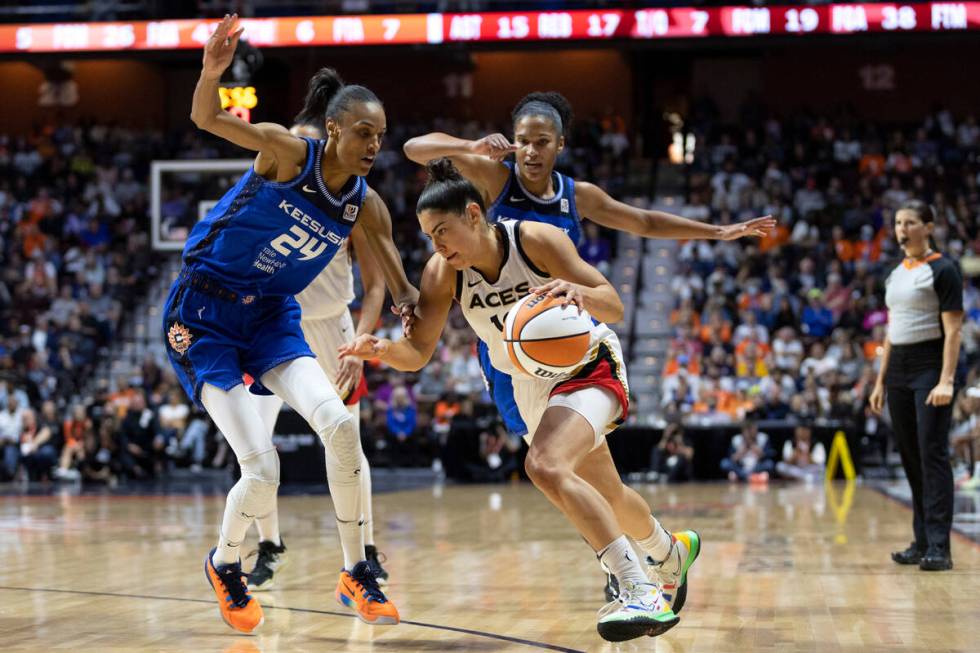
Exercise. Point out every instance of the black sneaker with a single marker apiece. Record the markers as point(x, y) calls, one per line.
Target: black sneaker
point(910, 556)
point(374, 560)
point(936, 558)
point(271, 558)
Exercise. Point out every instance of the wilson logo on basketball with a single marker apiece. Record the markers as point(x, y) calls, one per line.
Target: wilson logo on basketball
point(179, 337)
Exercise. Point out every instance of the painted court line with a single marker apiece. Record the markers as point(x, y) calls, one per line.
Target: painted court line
point(421, 624)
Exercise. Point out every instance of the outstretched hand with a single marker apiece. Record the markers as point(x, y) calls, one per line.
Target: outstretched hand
point(364, 346)
point(758, 227)
point(220, 48)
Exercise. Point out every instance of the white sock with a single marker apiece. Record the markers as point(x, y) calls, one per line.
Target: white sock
point(623, 561)
point(657, 544)
point(268, 527)
point(351, 542)
point(367, 520)
point(234, 525)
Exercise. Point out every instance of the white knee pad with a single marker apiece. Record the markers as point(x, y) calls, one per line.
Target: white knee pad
point(263, 466)
point(338, 433)
point(255, 492)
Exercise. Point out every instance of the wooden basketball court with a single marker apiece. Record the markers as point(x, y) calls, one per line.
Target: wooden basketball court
point(483, 568)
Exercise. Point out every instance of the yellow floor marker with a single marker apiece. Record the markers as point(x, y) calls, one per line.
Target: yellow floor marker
point(840, 452)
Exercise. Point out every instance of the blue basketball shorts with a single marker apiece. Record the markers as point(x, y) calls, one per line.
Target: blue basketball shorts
point(214, 335)
point(501, 390)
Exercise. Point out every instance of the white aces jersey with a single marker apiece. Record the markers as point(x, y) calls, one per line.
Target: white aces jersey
point(329, 294)
point(486, 304)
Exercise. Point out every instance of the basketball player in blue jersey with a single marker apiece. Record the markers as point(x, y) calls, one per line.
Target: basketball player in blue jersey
point(529, 188)
point(232, 311)
point(327, 324)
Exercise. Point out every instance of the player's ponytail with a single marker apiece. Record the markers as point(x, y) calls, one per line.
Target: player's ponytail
point(328, 97)
point(323, 87)
point(550, 104)
point(447, 190)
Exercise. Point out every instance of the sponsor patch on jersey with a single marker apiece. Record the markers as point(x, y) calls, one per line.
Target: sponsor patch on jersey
point(564, 205)
point(350, 212)
point(248, 299)
point(179, 338)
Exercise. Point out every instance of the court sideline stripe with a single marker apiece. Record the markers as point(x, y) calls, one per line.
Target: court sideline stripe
point(421, 624)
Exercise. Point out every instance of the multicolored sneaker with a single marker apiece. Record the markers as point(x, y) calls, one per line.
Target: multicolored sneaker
point(671, 573)
point(271, 558)
point(372, 555)
point(640, 610)
point(238, 609)
point(358, 590)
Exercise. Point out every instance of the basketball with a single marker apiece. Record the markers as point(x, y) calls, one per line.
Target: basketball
point(545, 339)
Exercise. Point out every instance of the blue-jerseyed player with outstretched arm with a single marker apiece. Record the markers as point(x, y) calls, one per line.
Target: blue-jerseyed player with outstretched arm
point(232, 311)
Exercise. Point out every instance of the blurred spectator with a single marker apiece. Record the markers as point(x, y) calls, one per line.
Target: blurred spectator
point(498, 455)
point(803, 460)
point(173, 419)
point(194, 439)
point(39, 446)
point(673, 458)
point(141, 441)
point(595, 248)
point(817, 320)
point(75, 429)
point(401, 421)
point(750, 457)
point(11, 426)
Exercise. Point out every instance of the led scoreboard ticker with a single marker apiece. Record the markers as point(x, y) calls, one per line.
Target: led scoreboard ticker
point(578, 25)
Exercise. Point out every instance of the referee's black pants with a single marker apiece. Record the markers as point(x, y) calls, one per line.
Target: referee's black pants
point(922, 436)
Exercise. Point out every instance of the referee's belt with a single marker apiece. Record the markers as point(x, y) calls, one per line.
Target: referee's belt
point(210, 286)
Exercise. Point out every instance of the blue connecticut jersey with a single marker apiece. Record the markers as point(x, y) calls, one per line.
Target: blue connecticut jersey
point(274, 238)
point(517, 203)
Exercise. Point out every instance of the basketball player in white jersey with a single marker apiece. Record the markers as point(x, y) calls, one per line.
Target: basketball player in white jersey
point(327, 324)
point(487, 269)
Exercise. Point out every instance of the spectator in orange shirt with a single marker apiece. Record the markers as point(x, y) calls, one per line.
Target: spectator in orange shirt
point(843, 248)
point(685, 315)
point(717, 326)
point(869, 247)
point(872, 164)
point(774, 239)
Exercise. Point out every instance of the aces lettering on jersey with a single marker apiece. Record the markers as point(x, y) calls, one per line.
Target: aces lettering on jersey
point(500, 298)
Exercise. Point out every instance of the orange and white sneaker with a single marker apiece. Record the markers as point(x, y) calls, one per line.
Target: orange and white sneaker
point(358, 590)
point(237, 607)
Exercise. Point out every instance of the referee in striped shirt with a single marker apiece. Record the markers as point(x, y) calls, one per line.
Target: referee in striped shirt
point(924, 295)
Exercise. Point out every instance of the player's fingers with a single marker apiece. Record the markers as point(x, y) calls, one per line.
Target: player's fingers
point(223, 27)
point(559, 289)
point(541, 290)
point(233, 39)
